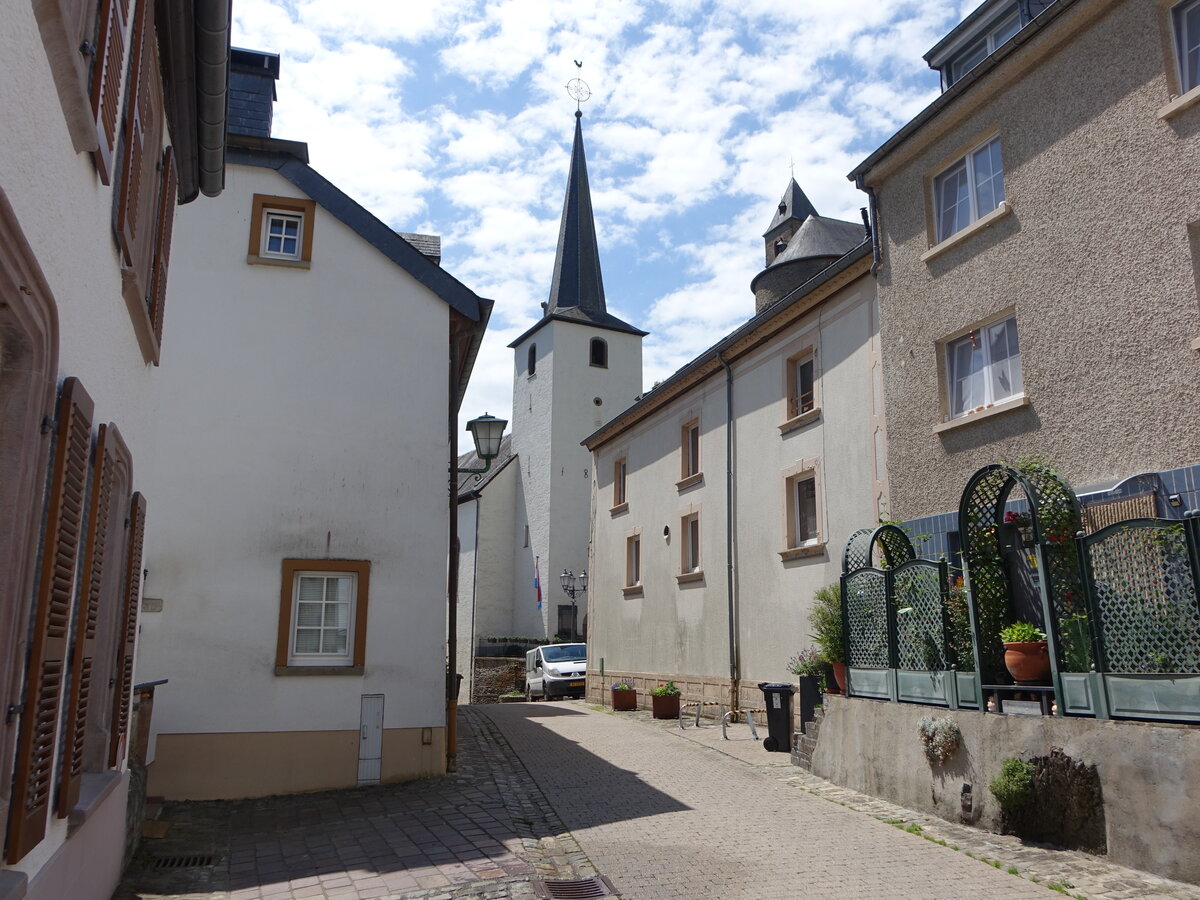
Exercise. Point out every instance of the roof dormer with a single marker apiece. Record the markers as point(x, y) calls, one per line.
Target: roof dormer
point(979, 35)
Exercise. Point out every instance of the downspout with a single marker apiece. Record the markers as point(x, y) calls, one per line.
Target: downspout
point(734, 663)
point(872, 224)
point(212, 91)
point(452, 563)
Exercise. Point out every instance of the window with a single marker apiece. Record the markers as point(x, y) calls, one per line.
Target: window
point(803, 526)
point(972, 187)
point(802, 384)
point(983, 367)
point(1186, 20)
point(281, 231)
point(633, 561)
point(982, 47)
point(531, 362)
point(689, 549)
point(598, 353)
point(690, 450)
point(620, 471)
point(322, 615)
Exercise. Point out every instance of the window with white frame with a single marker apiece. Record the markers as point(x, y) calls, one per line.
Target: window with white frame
point(803, 525)
point(281, 231)
point(970, 188)
point(1186, 23)
point(633, 560)
point(323, 613)
point(282, 234)
point(689, 550)
point(690, 449)
point(983, 367)
point(983, 46)
point(802, 384)
point(620, 471)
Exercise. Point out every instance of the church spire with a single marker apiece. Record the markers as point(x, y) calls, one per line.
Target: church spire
point(577, 280)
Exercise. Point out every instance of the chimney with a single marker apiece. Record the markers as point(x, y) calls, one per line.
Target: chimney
point(252, 77)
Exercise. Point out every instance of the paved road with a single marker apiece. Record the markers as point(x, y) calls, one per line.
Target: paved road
point(666, 818)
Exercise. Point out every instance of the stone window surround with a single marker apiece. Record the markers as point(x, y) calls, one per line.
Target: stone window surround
point(685, 574)
point(797, 354)
point(800, 470)
point(361, 569)
point(937, 248)
point(262, 205)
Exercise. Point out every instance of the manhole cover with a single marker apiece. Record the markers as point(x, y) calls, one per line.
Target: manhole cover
point(189, 861)
point(575, 888)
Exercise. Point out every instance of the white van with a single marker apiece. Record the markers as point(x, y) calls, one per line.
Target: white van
point(555, 670)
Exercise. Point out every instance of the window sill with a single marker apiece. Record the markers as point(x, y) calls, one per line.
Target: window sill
point(816, 549)
point(255, 260)
point(619, 508)
point(1180, 103)
point(94, 787)
point(684, 483)
point(985, 413)
point(631, 590)
point(686, 577)
point(980, 224)
point(318, 670)
point(800, 421)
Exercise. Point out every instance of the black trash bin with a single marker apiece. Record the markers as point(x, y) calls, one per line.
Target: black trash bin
point(777, 697)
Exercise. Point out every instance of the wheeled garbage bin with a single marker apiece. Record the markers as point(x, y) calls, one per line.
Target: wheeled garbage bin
point(777, 697)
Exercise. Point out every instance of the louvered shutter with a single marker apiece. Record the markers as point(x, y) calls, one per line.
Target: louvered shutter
point(141, 155)
point(162, 245)
point(128, 633)
point(51, 624)
point(95, 556)
point(106, 80)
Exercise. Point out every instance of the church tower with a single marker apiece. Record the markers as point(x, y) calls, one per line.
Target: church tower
point(572, 372)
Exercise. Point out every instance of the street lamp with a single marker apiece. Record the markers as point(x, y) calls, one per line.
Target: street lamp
point(567, 580)
point(486, 431)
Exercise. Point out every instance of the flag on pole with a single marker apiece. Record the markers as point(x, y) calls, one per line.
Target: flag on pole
point(537, 582)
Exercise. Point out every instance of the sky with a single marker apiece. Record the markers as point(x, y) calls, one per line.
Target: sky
point(451, 117)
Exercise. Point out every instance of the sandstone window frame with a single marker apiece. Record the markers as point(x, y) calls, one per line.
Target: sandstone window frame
point(797, 410)
point(620, 498)
point(949, 368)
point(804, 529)
point(1177, 34)
point(633, 562)
point(690, 551)
point(691, 471)
point(264, 208)
point(287, 661)
point(968, 165)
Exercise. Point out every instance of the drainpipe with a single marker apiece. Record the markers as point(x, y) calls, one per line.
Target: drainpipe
point(734, 667)
point(873, 224)
point(452, 567)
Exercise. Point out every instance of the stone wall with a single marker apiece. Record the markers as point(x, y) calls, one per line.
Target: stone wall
point(495, 676)
point(1147, 772)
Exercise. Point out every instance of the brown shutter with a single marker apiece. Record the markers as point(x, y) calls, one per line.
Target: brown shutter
point(106, 80)
point(162, 245)
point(51, 624)
point(127, 636)
point(83, 651)
point(141, 153)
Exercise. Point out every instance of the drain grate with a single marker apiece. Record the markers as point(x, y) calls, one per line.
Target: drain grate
point(187, 861)
point(575, 888)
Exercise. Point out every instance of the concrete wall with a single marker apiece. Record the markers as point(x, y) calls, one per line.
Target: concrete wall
point(678, 628)
point(1094, 259)
point(300, 413)
point(1147, 771)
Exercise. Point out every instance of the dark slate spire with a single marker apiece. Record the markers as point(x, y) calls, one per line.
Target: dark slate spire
point(792, 205)
point(577, 280)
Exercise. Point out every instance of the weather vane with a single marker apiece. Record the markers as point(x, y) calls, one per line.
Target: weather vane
point(578, 89)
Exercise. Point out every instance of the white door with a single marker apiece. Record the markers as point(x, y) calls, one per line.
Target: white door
point(370, 739)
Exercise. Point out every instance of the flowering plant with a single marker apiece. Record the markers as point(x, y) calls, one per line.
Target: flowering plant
point(807, 662)
point(666, 690)
point(1020, 519)
point(622, 686)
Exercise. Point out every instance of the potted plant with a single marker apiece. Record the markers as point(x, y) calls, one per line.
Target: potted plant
point(664, 700)
point(826, 621)
point(624, 697)
point(1025, 653)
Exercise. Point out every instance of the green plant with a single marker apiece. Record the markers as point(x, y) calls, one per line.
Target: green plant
point(826, 622)
point(1013, 787)
point(622, 686)
point(666, 690)
point(807, 662)
point(1021, 633)
point(1077, 650)
point(940, 737)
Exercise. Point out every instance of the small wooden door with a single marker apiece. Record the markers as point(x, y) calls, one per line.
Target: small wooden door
point(370, 739)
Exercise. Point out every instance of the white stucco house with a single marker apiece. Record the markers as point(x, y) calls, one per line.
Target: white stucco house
point(296, 589)
point(114, 116)
point(722, 498)
point(530, 520)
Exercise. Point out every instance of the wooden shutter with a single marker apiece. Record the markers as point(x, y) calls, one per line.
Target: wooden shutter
point(162, 245)
point(95, 557)
point(106, 80)
point(127, 636)
point(51, 624)
point(141, 155)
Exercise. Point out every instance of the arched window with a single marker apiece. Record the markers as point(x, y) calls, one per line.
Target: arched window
point(531, 365)
point(599, 353)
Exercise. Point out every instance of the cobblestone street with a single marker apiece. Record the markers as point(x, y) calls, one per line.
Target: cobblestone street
point(660, 812)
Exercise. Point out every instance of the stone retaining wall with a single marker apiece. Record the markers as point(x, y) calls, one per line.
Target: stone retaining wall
point(495, 676)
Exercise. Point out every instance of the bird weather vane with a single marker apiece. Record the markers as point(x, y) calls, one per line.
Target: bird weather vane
point(578, 89)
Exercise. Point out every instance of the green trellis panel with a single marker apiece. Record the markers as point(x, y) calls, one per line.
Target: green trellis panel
point(922, 687)
point(1154, 696)
point(874, 684)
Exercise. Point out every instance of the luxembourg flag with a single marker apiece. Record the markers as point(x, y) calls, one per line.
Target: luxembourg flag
point(537, 582)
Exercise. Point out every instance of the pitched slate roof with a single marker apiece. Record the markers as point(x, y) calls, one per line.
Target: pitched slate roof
point(577, 287)
point(821, 236)
point(792, 205)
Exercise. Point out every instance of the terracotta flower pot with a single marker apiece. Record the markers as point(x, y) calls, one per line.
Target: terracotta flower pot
point(624, 701)
point(1028, 662)
point(666, 707)
point(839, 675)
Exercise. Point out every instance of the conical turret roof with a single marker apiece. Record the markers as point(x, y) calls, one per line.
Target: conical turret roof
point(792, 205)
